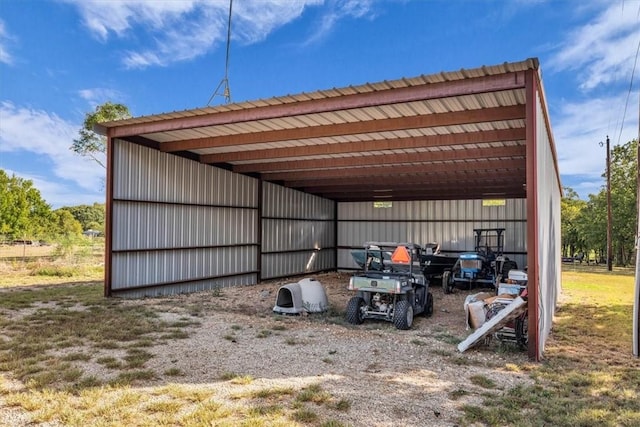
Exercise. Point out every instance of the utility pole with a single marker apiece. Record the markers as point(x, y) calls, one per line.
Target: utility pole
point(609, 231)
point(636, 301)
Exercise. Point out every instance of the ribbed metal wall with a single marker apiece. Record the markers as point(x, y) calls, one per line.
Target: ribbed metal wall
point(549, 232)
point(298, 232)
point(448, 222)
point(178, 225)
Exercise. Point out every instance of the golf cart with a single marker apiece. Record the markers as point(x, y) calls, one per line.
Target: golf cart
point(391, 286)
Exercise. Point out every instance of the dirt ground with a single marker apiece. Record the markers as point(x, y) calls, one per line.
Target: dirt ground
point(391, 377)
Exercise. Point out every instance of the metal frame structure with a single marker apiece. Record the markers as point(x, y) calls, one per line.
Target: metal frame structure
point(469, 134)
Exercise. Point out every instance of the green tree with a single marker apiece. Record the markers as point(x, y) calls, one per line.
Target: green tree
point(570, 207)
point(89, 143)
point(65, 225)
point(623, 201)
point(89, 216)
point(23, 212)
point(591, 223)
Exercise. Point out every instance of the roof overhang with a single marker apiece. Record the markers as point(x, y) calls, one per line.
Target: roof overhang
point(453, 135)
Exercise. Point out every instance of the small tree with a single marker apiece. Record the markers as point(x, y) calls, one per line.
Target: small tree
point(571, 206)
point(89, 216)
point(89, 143)
point(23, 212)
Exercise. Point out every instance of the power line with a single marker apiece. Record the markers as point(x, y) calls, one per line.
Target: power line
point(626, 104)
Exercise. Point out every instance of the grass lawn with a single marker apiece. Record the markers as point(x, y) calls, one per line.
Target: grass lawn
point(588, 378)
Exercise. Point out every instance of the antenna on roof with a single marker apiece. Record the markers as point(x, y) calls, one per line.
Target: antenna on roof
point(224, 83)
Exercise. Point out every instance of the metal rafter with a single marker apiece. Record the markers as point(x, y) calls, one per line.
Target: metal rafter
point(422, 158)
point(394, 170)
point(467, 138)
point(495, 114)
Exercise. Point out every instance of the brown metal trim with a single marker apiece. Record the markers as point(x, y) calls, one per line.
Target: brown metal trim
point(533, 260)
point(200, 205)
point(180, 282)
point(386, 159)
point(483, 181)
point(345, 197)
point(431, 221)
point(391, 170)
point(306, 273)
point(140, 140)
point(421, 177)
point(108, 223)
point(182, 248)
point(294, 251)
point(513, 112)
point(282, 218)
point(516, 134)
point(468, 86)
point(472, 192)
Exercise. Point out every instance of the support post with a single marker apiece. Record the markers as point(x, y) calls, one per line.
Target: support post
point(609, 220)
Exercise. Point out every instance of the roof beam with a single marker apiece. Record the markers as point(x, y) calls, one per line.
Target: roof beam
point(385, 159)
point(512, 112)
point(466, 194)
point(391, 170)
point(450, 184)
point(246, 113)
point(501, 135)
point(418, 177)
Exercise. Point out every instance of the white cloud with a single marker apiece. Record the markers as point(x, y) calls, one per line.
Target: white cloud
point(597, 57)
point(183, 30)
point(337, 10)
point(579, 129)
point(99, 95)
point(603, 50)
point(5, 56)
point(41, 133)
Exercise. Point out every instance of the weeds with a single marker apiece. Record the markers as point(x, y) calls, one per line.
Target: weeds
point(76, 316)
point(482, 381)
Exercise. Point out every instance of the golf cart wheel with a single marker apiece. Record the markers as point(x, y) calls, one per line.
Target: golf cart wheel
point(403, 315)
point(355, 307)
point(428, 308)
point(446, 286)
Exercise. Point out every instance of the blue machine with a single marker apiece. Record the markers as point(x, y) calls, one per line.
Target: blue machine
point(479, 268)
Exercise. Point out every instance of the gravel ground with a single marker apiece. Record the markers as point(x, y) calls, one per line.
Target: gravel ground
point(390, 377)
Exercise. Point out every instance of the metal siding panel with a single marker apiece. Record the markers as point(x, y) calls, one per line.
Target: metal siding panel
point(449, 222)
point(190, 287)
point(548, 218)
point(288, 264)
point(133, 269)
point(143, 225)
point(143, 175)
point(295, 221)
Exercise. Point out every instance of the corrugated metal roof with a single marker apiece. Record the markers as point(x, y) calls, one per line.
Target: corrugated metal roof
point(452, 123)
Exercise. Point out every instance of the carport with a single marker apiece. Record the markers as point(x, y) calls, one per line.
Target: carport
point(234, 194)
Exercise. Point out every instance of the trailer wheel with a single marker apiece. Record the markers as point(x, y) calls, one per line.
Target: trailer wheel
point(446, 285)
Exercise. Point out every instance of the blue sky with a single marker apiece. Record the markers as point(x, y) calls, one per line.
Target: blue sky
point(60, 59)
